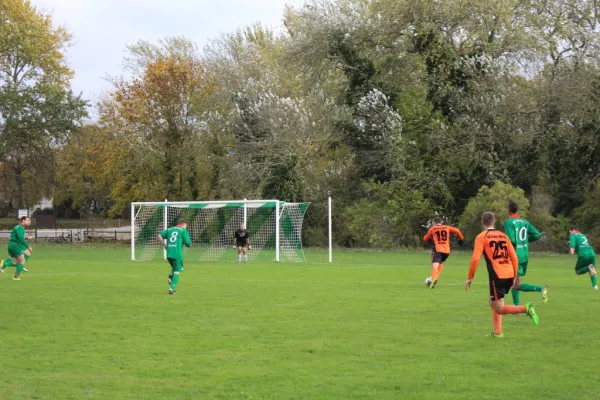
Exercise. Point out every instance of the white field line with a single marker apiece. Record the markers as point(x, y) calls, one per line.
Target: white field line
point(31, 275)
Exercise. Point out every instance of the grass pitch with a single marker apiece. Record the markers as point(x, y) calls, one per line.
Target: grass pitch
point(86, 323)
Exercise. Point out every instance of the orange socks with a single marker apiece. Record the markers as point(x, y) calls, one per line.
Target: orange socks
point(497, 319)
point(497, 322)
point(513, 310)
point(436, 272)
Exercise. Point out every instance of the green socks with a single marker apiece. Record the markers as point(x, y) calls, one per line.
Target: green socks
point(516, 295)
point(174, 281)
point(9, 262)
point(583, 270)
point(526, 287)
point(20, 268)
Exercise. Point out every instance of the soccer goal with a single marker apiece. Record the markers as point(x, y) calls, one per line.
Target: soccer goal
point(275, 228)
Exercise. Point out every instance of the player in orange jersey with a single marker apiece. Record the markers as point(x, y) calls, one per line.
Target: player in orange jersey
point(502, 265)
point(440, 235)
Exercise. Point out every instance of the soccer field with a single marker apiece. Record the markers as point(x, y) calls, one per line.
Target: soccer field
point(86, 323)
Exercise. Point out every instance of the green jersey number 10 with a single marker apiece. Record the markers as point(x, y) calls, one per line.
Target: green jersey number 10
point(522, 234)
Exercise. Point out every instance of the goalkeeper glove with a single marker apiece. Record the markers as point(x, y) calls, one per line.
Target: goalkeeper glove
point(460, 242)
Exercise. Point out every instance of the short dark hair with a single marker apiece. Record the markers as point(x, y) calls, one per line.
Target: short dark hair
point(437, 220)
point(573, 228)
point(513, 207)
point(181, 222)
point(488, 218)
point(23, 219)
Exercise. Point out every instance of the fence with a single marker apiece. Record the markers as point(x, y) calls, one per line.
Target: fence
point(76, 235)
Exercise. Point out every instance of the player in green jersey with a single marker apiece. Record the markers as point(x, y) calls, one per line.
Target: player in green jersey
point(19, 249)
point(521, 232)
point(586, 256)
point(174, 239)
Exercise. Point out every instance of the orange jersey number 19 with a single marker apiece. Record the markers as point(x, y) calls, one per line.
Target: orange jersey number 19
point(441, 237)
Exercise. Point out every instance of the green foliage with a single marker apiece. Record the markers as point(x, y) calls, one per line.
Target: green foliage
point(283, 182)
point(587, 217)
point(389, 216)
point(38, 110)
point(494, 199)
point(440, 99)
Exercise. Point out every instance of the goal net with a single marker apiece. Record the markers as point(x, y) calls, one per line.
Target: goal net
point(274, 227)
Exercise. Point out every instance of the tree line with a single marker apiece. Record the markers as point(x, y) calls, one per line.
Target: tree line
point(400, 110)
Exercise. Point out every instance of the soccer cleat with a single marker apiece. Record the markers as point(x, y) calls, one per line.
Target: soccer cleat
point(496, 336)
point(171, 291)
point(25, 270)
point(532, 314)
point(170, 278)
point(1, 271)
point(545, 294)
point(595, 288)
point(16, 278)
point(433, 283)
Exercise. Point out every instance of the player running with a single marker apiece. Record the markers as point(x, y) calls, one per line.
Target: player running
point(173, 240)
point(586, 256)
point(502, 265)
point(19, 249)
point(440, 234)
point(521, 232)
point(241, 241)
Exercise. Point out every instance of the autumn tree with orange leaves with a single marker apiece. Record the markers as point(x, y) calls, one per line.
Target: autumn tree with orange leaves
point(151, 123)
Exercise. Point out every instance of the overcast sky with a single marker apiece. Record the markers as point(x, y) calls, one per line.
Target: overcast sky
point(102, 28)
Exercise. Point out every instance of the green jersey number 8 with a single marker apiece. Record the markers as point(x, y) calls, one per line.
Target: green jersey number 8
point(522, 234)
point(173, 237)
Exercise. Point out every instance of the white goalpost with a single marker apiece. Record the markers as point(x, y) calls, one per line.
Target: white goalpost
point(274, 227)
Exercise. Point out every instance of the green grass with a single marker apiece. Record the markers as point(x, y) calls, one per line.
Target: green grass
point(85, 323)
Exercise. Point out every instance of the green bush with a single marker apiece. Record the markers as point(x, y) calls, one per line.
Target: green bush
point(313, 236)
point(587, 217)
point(494, 199)
point(389, 216)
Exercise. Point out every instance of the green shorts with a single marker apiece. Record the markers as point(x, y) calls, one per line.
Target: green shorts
point(585, 260)
point(523, 268)
point(16, 251)
point(176, 264)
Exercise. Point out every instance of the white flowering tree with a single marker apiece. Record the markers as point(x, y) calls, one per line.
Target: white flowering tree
point(275, 130)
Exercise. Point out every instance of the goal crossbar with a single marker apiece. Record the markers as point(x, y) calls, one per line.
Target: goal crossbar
point(184, 203)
